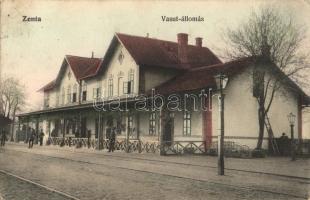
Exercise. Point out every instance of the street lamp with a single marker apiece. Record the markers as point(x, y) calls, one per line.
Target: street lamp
point(291, 118)
point(221, 82)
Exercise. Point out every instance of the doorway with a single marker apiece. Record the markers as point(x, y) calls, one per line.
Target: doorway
point(169, 130)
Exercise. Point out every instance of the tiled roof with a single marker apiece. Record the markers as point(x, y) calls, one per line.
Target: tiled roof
point(202, 77)
point(48, 86)
point(154, 52)
point(83, 67)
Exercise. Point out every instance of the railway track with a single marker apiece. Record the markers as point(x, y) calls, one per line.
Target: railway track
point(116, 157)
point(44, 187)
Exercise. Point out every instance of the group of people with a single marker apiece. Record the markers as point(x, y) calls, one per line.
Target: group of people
point(284, 145)
point(33, 136)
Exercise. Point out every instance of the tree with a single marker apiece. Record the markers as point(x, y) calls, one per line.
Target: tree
point(274, 42)
point(12, 98)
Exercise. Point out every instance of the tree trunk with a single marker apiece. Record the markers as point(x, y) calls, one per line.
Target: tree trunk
point(261, 123)
point(12, 127)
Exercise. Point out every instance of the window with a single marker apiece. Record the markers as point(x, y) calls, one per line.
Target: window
point(96, 93)
point(131, 81)
point(126, 88)
point(152, 124)
point(110, 87)
point(69, 94)
point(74, 93)
point(119, 86)
point(187, 123)
point(84, 92)
point(63, 96)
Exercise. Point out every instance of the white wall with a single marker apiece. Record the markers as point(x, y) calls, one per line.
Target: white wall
point(306, 124)
point(241, 118)
point(116, 70)
point(64, 82)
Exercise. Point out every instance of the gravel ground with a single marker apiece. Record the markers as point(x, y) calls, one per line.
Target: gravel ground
point(12, 188)
point(105, 177)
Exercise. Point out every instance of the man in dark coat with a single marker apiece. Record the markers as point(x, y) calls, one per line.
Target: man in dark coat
point(112, 137)
point(41, 135)
point(31, 138)
point(3, 138)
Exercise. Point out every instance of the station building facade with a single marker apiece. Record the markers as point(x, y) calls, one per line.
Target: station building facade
point(89, 95)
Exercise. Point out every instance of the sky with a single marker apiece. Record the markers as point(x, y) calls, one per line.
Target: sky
point(33, 51)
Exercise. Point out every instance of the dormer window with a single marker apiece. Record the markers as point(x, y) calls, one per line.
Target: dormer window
point(120, 57)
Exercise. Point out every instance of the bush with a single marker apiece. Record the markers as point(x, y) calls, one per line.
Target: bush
point(259, 153)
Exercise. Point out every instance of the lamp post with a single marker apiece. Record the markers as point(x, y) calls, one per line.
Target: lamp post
point(291, 118)
point(221, 82)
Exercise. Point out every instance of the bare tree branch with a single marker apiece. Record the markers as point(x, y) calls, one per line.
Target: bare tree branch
point(272, 38)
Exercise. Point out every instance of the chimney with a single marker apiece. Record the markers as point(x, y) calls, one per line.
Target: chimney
point(182, 47)
point(198, 41)
point(92, 54)
point(147, 35)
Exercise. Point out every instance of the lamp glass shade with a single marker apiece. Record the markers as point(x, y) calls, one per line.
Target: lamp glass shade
point(225, 81)
point(221, 79)
point(291, 118)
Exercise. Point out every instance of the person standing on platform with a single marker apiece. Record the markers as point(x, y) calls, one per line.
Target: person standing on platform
point(113, 138)
point(31, 138)
point(3, 137)
point(41, 135)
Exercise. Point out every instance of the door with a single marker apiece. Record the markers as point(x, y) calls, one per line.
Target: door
point(169, 130)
